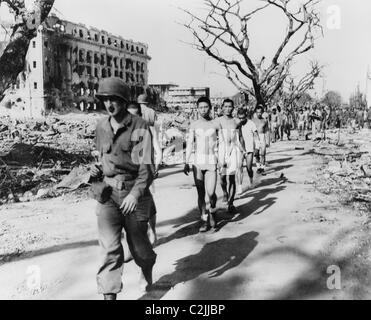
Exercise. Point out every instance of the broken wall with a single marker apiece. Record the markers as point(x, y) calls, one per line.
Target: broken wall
point(64, 65)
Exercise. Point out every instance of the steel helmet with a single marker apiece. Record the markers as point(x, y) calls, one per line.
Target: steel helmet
point(113, 87)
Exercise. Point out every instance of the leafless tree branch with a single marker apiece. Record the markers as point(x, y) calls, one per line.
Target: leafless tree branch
point(226, 26)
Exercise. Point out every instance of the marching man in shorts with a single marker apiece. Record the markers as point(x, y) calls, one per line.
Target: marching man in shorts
point(248, 135)
point(228, 153)
point(203, 134)
point(261, 145)
point(301, 123)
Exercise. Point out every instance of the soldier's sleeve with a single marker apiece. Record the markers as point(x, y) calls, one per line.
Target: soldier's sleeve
point(144, 148)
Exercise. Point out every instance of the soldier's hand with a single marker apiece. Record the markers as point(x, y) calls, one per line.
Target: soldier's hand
point(95, 171)
point(129, 205)
point(186, 169)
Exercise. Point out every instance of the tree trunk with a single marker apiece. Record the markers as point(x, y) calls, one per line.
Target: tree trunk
point(258, 94)
point(12, 61)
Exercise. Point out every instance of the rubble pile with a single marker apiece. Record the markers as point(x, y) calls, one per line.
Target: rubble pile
point(173, 129)
point(40, 159)
point(36, 155)
point(347, 169)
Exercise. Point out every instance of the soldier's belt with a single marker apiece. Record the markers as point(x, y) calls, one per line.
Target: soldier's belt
point(118, 184)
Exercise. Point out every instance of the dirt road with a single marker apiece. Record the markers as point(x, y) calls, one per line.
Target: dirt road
point(284, 244)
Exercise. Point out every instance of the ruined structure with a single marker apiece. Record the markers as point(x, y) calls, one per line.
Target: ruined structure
point(162, 91)
point(64, 64)
point(186, 98)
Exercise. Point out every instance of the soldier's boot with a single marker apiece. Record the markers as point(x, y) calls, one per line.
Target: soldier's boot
point(146, 278)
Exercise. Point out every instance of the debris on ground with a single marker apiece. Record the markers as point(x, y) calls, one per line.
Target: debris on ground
point(347, 168)
point(49, 158)
point(36, 155)
point(78, 177)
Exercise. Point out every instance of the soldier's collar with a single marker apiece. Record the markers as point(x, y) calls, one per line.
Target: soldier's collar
point(125, 123)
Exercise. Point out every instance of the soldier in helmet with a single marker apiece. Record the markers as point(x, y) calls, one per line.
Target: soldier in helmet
point(125, 148)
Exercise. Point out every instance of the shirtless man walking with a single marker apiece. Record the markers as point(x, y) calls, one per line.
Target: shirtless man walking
point(248, 135)
point(275, 122)
point(261, 145)
point(203, 134)
point(301, 118)
point(228, 153)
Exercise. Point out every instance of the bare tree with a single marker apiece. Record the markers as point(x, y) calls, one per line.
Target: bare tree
point(294, 90)
point(225, 36)
point(26, 22)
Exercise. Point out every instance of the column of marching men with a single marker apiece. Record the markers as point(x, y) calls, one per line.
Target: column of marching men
point(219, 144)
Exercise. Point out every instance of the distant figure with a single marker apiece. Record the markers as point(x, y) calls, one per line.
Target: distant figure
point(248, 135)
point(286, 123)
point(275, 123)
point(135, 109)
point(316, 117)
point(360, 118)
point(261, 144)
point(149, 116)
point(306, 121)
point(301, 119)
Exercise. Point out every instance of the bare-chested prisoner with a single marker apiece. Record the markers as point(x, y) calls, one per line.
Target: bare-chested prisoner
point(228, 153)
point(203, 134)
point(261, 145)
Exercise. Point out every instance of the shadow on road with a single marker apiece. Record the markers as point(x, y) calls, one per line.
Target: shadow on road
point(216, 258)
point(354, 268)
point(261, 200)
point(163, 174)
point(278, 168)
point(186, 231)
point(57, 248)
point(191, 216)
point(281, 160)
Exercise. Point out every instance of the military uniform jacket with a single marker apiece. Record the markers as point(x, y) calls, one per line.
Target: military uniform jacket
point(127, 153)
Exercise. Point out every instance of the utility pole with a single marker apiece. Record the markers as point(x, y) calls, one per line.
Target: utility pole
point(367, 79)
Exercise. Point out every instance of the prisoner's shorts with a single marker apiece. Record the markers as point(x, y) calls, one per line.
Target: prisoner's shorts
point(111, 221)
point(301, 125)
point(229, 161)
point(261, 144)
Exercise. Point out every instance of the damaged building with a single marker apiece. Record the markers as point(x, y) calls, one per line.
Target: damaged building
point(64, 64)
point(184, 98)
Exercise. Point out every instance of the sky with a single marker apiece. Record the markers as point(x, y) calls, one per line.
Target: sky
point(345, 49)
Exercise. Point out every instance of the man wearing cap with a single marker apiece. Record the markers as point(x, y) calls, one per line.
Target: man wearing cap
point(124, 144)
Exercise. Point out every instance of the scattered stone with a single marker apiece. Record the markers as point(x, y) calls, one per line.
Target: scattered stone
point(42, 193)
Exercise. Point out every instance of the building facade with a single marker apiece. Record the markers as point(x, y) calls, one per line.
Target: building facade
point(186, 98)
point(65, 62)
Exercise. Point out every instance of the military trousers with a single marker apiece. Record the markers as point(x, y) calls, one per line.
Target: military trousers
point(111, 222)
